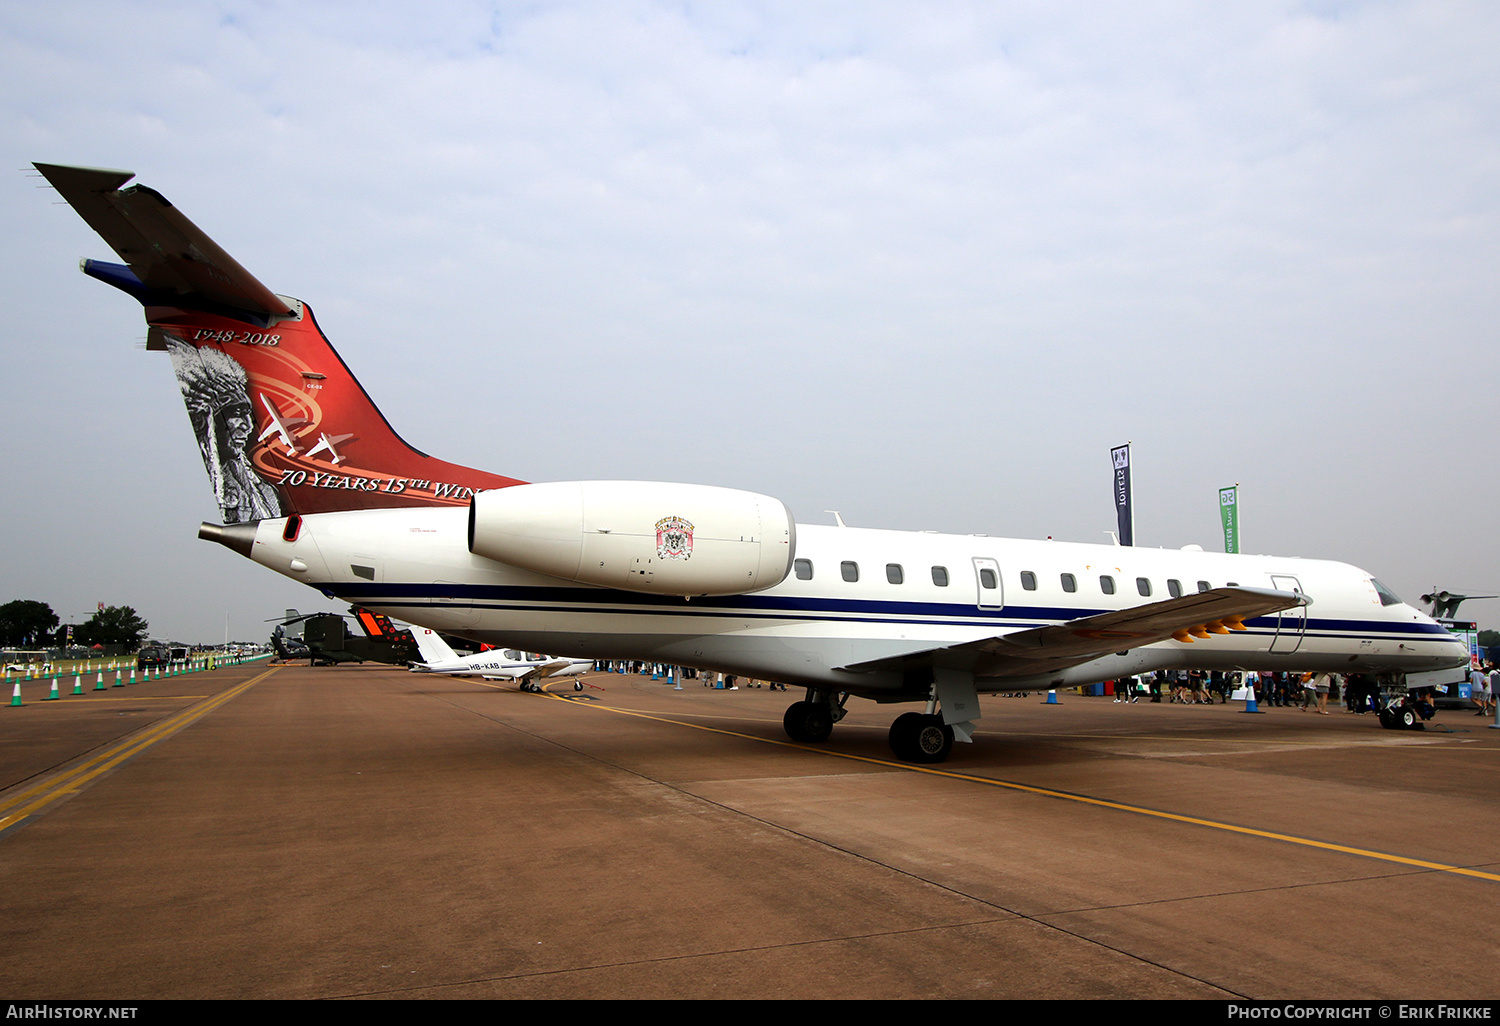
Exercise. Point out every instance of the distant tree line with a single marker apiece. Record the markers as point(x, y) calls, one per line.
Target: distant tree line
point(27, 623)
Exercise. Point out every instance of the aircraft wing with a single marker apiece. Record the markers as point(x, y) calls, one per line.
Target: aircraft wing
point(542, 670)
point(1056, 647)
point(568, 667)
point(165, 250)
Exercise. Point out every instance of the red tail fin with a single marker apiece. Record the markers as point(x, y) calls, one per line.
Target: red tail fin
point(282, 424)
point(280, 419)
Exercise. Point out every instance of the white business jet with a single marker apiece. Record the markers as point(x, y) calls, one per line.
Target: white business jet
point(495, 664)
point(686, 574)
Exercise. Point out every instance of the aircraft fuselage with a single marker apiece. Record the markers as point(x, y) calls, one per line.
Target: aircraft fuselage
point(816, 621)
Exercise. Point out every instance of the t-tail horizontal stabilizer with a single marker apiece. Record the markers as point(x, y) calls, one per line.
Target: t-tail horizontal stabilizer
point(166, 252)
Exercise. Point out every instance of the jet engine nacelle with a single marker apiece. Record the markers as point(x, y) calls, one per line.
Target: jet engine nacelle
point(665, 539)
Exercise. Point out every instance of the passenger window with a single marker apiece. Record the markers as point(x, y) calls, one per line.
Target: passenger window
point(940, 576)
point(1107, 585)
point(1069, 583)
point(1203, 586)
point(893, 573)
point(850, 571)
point(1143, 585)
point(1174, 588)
point(1028, 580)
point(987, 578)
point(803, 567)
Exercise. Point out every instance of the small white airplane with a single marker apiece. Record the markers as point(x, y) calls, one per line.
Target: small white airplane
point(495, 664)
point(688, 574)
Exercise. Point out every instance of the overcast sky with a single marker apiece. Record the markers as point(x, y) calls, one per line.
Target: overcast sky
point(924, 264)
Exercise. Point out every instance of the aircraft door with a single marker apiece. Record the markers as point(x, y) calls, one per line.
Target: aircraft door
point(987, 578)
point(457, 609)
point(1290, 623)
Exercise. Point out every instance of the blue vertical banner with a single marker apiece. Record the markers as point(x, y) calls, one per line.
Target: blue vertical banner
point(1120, 456)
point(1229, 514)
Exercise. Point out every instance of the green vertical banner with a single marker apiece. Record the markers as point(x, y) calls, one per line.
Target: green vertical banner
point(1229, 512)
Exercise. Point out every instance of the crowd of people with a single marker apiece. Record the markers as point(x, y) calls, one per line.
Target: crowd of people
point(1359, 692)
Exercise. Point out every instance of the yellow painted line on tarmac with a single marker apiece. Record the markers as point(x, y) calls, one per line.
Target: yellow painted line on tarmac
point(32, 799)
point(124, 698)
point(1045, 792)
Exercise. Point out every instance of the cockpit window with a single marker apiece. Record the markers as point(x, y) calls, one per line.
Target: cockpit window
point(1387, 596)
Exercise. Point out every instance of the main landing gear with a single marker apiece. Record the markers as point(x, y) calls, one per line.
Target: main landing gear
point(811, 721)
point(921, 737)
point(533, 686)
point(915, 737)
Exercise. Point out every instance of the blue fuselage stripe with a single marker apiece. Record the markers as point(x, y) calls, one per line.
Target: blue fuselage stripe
point(781, 607)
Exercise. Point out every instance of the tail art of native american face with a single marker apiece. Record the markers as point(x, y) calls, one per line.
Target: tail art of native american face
point(217, 395)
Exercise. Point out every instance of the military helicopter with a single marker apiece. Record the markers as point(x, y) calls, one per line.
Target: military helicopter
point(326, 638)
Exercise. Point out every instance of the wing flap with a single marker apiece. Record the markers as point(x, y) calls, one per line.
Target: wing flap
point(1055, 647)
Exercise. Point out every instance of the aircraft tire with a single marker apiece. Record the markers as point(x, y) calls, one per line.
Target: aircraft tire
point(903, 737)
point(932, 740)
point(819, 722)
point(791, 721)
point(807, 722)
point(578, 685)
point(1387, 719)
point(1409, 718)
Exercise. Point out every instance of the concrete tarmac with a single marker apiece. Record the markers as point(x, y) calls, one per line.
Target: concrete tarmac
point(369, 832)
